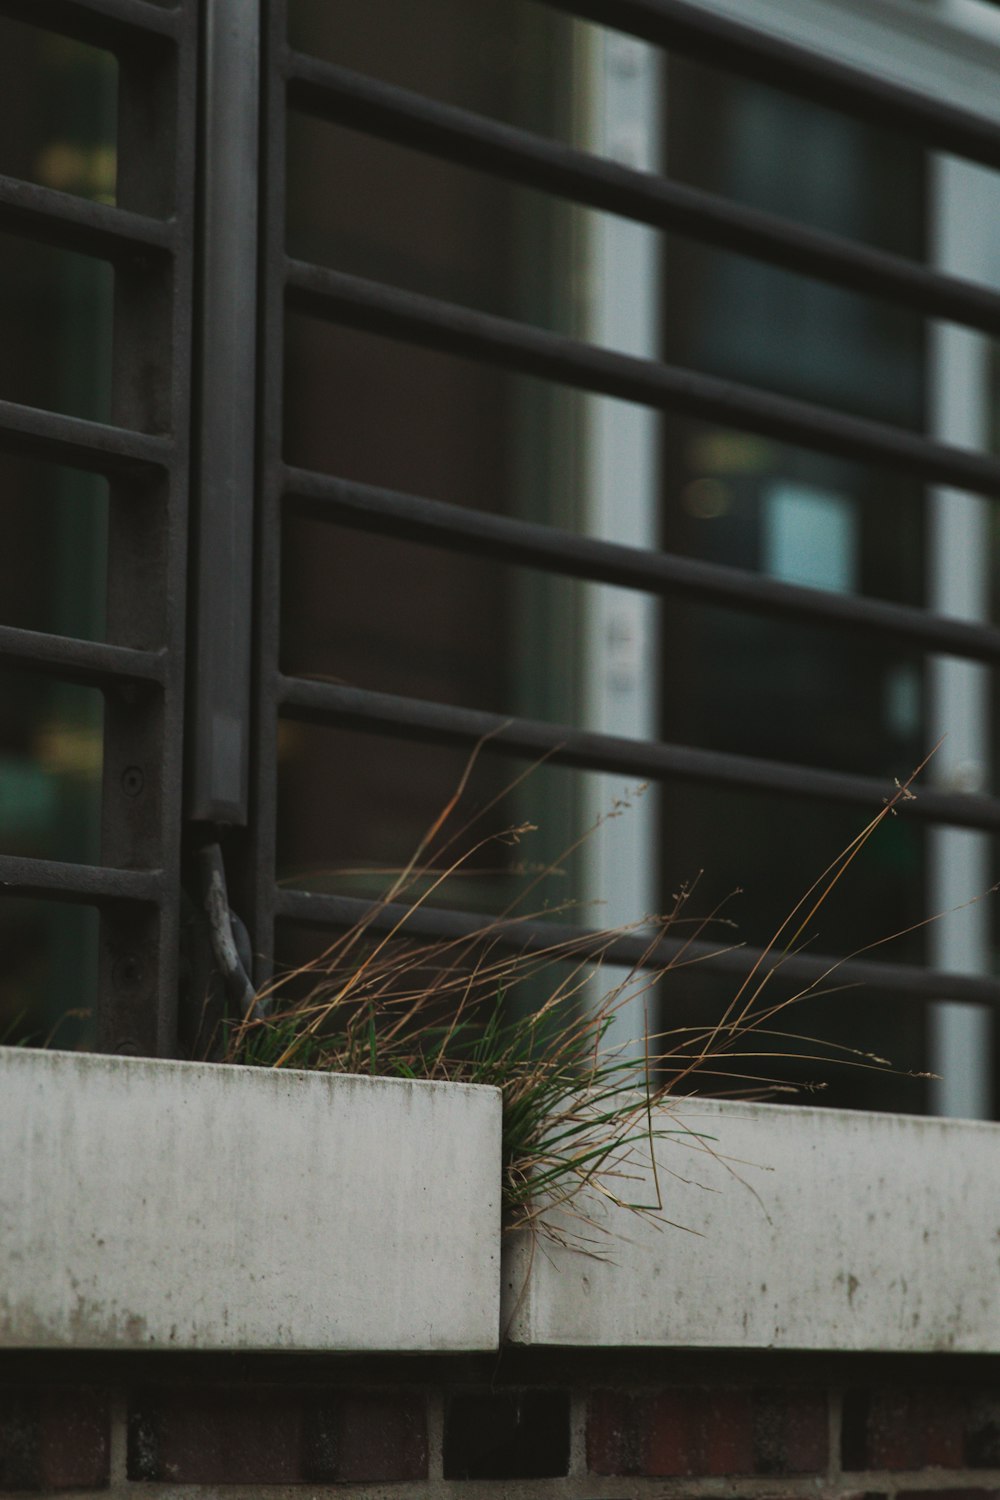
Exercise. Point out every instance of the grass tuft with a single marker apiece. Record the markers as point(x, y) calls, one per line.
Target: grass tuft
point(580, 1113)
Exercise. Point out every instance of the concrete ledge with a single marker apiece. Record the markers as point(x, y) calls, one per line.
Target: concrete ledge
point(189, 1206)
point(812, 1229)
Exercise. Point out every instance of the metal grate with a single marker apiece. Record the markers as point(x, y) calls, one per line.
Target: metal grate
point(144, 454)
point(295, 81)
point(179, 270)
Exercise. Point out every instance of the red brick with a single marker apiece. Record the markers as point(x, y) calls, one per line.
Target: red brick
point(982, 1431)
point(670, 1439)
point(19, 1441)
point(519, 1433)
point(216, 1437)
point(276, 1436)
point(367, 1436)
point(74, 1440)
point(613, 1430)
point(52, 1439)
point(914, 1430)
point(671, 1433)
point(727, 1434)
point(791, 1432)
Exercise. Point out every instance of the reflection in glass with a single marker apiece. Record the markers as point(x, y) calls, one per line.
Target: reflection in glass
point(59, 113)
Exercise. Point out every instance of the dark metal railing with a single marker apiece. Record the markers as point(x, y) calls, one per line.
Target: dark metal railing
point(101, 229)
point(162, 251)
point(444, 326)
point(441, 723)
point(294, 81)
point(520, 935)
point(367, 507)
point(456, 135)
point(143, 452)
point(721, 42)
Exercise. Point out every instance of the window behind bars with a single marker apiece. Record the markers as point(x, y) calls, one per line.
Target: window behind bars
point(572, 375)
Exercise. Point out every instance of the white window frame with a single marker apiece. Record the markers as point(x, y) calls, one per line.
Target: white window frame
point(621, 81)
point(949, 50)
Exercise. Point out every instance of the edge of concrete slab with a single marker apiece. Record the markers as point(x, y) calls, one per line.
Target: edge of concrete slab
point(171, 1205)
point(801, 1229)
point(166, 1205)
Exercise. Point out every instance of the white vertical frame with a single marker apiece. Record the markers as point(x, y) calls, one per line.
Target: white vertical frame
point(951, 51)
point(965, 234)
point(623, 84)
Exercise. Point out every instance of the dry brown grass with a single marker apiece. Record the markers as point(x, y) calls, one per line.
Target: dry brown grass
point(579, 1112)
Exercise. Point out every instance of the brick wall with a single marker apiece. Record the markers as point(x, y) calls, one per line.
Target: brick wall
point(530, 1423)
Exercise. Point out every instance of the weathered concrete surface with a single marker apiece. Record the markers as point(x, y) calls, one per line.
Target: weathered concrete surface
point(814, 1229)
point(189, 1206)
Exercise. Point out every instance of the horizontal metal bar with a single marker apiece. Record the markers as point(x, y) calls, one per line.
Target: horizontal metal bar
point(383, 512)
point(516, 935)
point(736, 46)
point(114, 24)
point(78, 224)
point(95, 446)
point(354, 708)
point(93, 663)
point(426, 321)
point(86, 885)
point(456, 135)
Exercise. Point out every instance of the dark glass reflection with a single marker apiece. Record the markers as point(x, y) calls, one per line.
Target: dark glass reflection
point(59, 130)
point(799, 693)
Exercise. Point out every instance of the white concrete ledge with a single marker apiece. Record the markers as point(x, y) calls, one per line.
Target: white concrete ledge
point(812, 1229)
point(148, 1205)
point(190, 1206)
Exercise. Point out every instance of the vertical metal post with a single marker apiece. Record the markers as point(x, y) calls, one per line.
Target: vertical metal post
point(271, 478)
point(222, 579)
point(147, 546)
